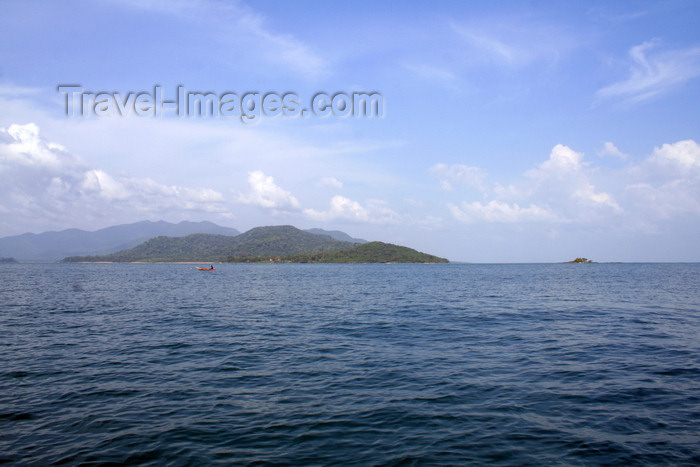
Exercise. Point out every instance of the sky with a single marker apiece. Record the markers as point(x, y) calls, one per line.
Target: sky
point(502, 131)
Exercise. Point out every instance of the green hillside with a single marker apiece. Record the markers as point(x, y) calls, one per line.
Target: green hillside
point(284, 240)
point(195, 247)
point(372, 252)
point(260, 241)
point(263, 244)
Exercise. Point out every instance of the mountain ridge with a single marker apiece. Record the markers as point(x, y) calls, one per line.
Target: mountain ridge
point(55, 245)
point(337, 234)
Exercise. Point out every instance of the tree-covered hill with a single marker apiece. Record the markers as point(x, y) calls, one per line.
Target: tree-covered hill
point(372, 252)
point(195, 247)
point(262, 244)
point(260, 241)
point(284, 240)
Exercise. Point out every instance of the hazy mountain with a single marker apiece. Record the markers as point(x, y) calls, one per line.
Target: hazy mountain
point(195, 247)
point(52, 246)
point(260, 241)
point(337, 234)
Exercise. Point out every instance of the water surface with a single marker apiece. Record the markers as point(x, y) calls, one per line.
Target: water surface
point(156, 364)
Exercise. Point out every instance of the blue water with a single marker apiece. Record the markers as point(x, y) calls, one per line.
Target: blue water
point(548, 364)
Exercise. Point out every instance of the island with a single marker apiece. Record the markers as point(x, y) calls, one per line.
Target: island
point(271, 244)
point(372, 252)
point(8, 260)
point(580, 260)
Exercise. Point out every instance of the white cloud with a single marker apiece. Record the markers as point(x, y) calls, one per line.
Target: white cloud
point(341, 207)
point(559, 190)
point(25, 148)
point(46, 187)
point(567, 190)
point(685, 154)
point(563, 161)
point(662, 202)
point(564, 180)
point(498, 211)
point(654, 72)
point(104, 185)
point(609, 149)
point(265, 193)
point(667, 183)
point(588, 194)
point(330, 182)
point(471, 177)
point(507, 191)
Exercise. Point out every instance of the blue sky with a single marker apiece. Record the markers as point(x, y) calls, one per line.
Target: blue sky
point(511, 132)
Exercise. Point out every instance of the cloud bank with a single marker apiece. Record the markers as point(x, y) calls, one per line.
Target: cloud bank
point(567, 189)
point(46, 185)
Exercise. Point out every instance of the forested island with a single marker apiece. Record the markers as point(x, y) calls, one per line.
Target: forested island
point(372, 252)
point(285, 244)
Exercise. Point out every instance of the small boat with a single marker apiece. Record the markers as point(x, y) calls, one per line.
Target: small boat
point(206, 269)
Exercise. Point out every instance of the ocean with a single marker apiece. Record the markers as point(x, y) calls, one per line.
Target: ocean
point(350, 364)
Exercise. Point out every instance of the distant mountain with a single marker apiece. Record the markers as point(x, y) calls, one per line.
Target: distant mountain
point(52, 246)
point(337, 234)
point(195, 247)
point(260, 241)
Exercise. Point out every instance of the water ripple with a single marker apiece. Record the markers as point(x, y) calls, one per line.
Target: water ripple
point(350, 364)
